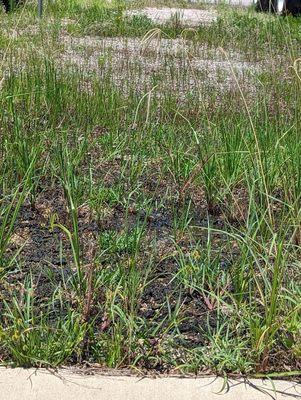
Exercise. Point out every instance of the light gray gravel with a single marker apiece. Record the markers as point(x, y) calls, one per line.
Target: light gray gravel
point(173, 64)
point(186, 16)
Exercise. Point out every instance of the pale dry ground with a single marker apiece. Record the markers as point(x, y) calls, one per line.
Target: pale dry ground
point(165, 64)
point(186, 16)
point(40, 384)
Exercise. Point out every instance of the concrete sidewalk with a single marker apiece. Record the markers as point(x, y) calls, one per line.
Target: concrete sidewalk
point(21, 384)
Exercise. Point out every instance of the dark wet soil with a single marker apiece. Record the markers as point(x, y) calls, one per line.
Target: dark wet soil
point(46, 254)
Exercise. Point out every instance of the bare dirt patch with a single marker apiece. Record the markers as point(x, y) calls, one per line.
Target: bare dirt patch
point(179, 65)
point(186, 16)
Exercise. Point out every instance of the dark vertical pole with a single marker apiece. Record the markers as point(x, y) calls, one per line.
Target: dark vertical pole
point(40, 8)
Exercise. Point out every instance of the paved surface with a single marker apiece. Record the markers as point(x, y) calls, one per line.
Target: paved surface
point(21, 384)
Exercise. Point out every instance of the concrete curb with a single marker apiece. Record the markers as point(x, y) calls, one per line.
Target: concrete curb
point(31, 384)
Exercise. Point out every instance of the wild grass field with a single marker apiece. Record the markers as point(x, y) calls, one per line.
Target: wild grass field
point(150, 189)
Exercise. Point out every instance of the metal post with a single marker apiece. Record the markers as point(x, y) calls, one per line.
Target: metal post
point(40, 8)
